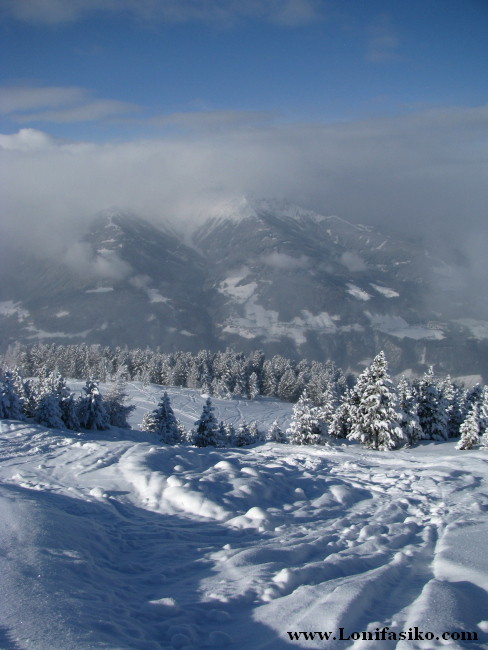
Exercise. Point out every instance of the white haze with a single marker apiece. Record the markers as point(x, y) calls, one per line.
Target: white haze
point(422, 174)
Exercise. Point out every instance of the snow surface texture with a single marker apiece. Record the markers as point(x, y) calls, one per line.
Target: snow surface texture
point(110, 540)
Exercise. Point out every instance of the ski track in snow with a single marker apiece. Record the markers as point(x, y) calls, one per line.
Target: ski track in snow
point(111, 540)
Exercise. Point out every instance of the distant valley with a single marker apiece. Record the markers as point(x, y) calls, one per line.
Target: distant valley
point(256, 275)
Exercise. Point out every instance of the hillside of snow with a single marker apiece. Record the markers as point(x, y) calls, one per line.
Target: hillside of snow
point(110, 540)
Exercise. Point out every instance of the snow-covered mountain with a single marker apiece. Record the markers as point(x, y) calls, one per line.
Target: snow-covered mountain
point(256, 275)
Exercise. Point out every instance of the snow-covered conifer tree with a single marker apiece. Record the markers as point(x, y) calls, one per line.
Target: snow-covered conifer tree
point(253, 389)
point(207, 428)
point(275, 434)
point(432, 408)
point(408, 405)
point(340, 425)
point(483, 412)
point(66, 401)
point(48, 412)
point(10, 405)
point(304, 429)
point(470, 429)
point(454, 406)
point(117, 411)
point(376, 418)
point(91, 411)
point(287, 386)
point(167, 426)
point(230, 434)
point(258, 436)
point(222, 436)
point(242, 436)
point(269, 385)
point(149, 424)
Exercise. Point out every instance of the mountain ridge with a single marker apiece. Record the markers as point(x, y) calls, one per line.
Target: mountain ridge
point(268, 276)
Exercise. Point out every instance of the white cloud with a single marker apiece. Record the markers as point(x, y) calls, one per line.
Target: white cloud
point(27, 140)
point(23, 104)
point(24, 98)
point(383, 41)
point(208, 120)
point(226, 12)
point(419, 174)
point(87, 112)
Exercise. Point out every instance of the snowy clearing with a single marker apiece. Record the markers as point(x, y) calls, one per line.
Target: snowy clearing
point(111, 540)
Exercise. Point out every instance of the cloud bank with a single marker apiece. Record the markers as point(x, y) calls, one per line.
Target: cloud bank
point(422, 174)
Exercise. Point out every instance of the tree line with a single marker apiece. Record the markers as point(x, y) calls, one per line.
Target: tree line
point(372, 410)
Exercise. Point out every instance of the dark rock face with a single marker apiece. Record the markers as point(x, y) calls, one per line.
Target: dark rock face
point(260, 275)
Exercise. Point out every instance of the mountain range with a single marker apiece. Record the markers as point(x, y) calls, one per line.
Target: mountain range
point(257, 274)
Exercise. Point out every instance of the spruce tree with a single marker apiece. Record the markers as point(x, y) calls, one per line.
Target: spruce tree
point(376, 418)
point(207, 428)
point(275, 434)
point(340, 424)
point(304, 426)
point(117, 411)
point(258, 436)
point(167, 426)
point(242, 436)
point(408, 405)
point(483, 412)
point(91, 411)
point(470, 429)
point(66, 402)
point(48, 412)
point(432, 408)
point(253, 389)
point(10, 404)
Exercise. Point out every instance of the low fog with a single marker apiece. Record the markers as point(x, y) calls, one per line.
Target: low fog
point(422, 175)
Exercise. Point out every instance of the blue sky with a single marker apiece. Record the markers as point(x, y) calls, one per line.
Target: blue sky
point(127, 67)
point(375, 110)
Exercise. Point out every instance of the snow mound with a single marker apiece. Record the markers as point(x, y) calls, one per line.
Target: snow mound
point(112, 540)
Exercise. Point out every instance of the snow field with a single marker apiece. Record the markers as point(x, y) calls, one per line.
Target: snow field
point(110, 540)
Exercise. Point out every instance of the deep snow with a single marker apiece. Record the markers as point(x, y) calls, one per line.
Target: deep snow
point(111, 540)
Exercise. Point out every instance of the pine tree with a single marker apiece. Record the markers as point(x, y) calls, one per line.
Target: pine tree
point(207, 428)
point(48, 412)
point(91, 411)
point(222, 436)
point(275, 434)
point(243, 435)
point(408, 405)
point(432, 408)
point(483, 412)
point(269, 384)
point(376, 419)
point(230, 434)
point(165, 423)
point(66, 402)
point(69, 412)
point(287, 386)
point(258, 436)
point(10, 404)
point(253, 389)
point(304, 426)
point(340, 425)
point(113, 401)
point(454, 406)
point(149, 423)
point(470, 429)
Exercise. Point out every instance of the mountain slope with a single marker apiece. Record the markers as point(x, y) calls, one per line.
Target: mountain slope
point(256, 275)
